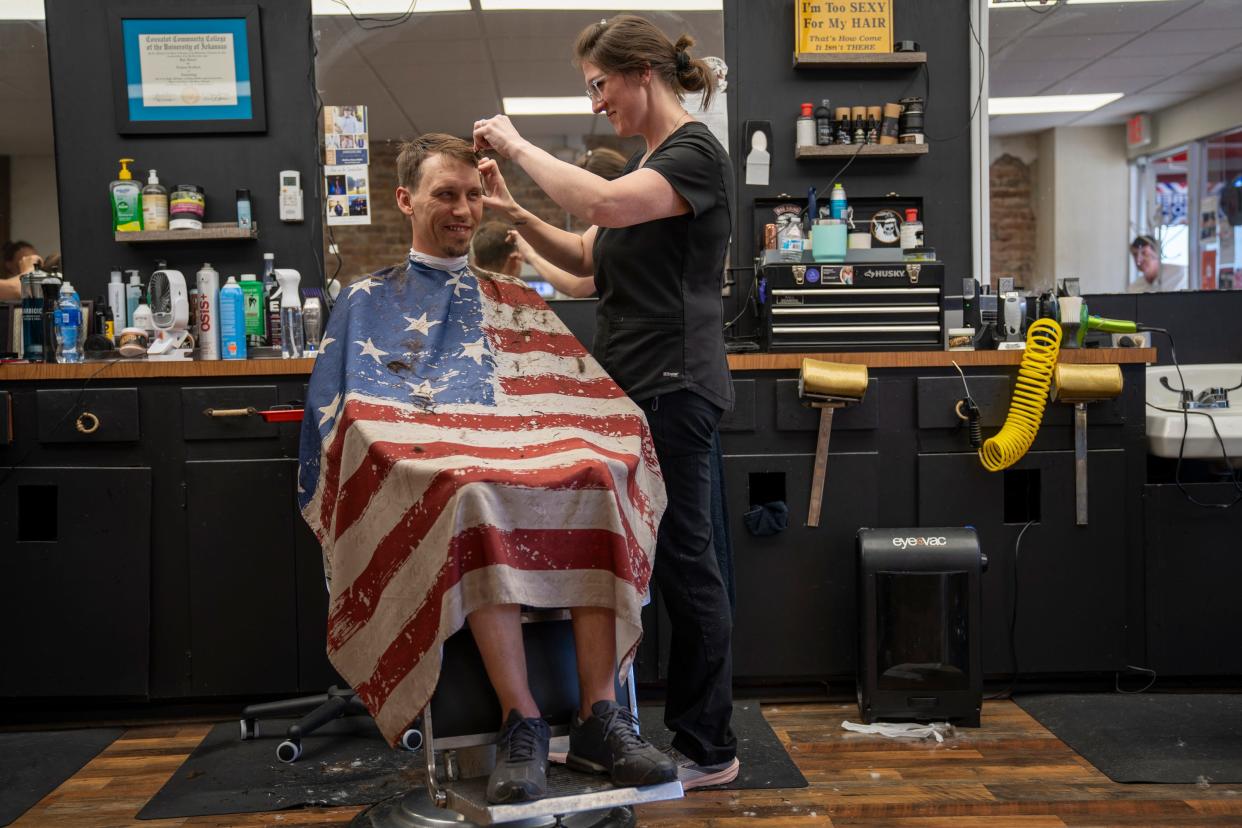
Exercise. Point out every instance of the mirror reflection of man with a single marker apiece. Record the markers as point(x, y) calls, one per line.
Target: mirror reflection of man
point(1154, 275)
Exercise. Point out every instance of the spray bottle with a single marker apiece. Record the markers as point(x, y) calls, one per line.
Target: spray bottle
point(208, 312)
point(290, 312)
point(232, 321)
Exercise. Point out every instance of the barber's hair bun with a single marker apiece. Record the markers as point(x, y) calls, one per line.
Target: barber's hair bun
point(693, 74)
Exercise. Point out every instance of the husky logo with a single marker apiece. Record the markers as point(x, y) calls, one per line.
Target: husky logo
point(906, 543)
point(885, 274)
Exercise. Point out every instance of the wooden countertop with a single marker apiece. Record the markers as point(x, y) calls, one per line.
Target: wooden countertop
point(142, 369)
point(936, 359)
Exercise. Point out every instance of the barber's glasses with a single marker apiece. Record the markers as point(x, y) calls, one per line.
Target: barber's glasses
point(595, 88)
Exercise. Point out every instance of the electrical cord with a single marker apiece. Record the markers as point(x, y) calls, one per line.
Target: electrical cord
point(1144, 688)
point(1013, 620)
point(747, 302)
point(1181, 448)
point(12, 469)
point(978, 95)
point(828, 187)
point(375, 21)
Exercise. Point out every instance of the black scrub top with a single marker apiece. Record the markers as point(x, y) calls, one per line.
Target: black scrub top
point(660, 321)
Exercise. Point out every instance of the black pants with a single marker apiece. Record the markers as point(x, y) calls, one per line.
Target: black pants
point(699, 698)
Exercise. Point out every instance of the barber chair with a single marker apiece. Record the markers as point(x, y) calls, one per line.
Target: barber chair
point(459, 731)
point(316, 712)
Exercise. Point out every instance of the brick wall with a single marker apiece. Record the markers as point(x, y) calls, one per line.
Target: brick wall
point(1013, 220)
point(365, 249)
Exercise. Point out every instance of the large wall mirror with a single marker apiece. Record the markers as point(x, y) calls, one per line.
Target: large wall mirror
point(28, 211)
point(1072, 189)
point(439, 71)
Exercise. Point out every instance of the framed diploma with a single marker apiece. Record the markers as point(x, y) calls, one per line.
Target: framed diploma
point(198, 70)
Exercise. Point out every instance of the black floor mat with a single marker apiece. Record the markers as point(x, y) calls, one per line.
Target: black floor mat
point(1158, 737)
point(764, 760)
point(347, 763)
point(32, 765)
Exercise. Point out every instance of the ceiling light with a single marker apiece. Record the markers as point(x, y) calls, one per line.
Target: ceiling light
point(21, 10)
point(369, 7)
point(601, 5)
point(1049, 103)
point(580, 105)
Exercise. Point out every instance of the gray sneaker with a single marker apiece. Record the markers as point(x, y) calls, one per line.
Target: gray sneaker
point(608, 742)
point(693, 775)
point(521, 772)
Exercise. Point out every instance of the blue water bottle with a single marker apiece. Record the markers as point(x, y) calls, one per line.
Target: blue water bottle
point(68, 325)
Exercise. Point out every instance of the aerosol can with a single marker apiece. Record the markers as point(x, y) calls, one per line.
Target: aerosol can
point(290, 312)
point(208, 312)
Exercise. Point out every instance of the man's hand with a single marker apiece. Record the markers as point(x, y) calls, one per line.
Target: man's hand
point(497, 133)
point(497, 195)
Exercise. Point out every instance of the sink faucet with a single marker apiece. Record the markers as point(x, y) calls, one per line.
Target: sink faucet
point(1212, 397)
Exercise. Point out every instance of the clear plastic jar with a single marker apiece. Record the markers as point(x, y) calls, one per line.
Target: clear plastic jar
point(186, 208)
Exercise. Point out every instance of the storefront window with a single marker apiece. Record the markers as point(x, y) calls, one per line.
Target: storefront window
point(1162, 193)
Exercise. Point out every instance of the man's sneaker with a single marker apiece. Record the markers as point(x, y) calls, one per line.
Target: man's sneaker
point(693, 775)
point(521, 771)
point(608, 742)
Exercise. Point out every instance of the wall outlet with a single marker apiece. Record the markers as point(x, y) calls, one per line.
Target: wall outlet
point(1142, 339)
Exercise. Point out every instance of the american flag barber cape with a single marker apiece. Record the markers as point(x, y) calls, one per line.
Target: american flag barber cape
point(461, 448)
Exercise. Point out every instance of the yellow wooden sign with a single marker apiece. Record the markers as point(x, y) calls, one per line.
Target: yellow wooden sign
point(844, 26)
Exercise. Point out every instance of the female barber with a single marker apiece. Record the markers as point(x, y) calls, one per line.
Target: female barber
point(655, 255)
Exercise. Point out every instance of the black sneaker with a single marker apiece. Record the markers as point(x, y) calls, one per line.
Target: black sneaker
point(521, 771)
point(608, 742)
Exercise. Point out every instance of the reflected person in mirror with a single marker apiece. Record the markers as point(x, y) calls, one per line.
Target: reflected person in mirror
point(20, 257)
point(1154, 275)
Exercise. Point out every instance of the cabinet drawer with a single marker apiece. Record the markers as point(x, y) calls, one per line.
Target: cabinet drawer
point(93, 415)
point(197, 424)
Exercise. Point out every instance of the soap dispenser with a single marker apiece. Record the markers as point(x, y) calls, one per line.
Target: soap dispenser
point(126, 200)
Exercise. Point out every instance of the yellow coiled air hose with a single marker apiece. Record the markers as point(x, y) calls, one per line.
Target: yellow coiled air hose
point(1030, 395)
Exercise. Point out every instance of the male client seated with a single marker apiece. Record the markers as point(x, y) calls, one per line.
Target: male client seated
point(462, 454)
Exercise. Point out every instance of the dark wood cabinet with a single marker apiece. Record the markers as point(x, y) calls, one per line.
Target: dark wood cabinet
point(75, 597)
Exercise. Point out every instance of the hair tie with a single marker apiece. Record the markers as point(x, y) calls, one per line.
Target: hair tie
point(683, 61)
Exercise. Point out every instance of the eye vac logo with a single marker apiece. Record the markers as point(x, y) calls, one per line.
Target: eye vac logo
point(906, 543)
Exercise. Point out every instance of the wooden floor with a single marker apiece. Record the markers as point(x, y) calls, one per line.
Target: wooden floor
point(1010, 772)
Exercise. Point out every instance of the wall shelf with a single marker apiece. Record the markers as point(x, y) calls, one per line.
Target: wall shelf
point(879, 60)
point(212, 231)
point(846, 150)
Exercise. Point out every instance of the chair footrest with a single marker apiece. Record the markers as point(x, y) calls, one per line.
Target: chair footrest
point(569, 791)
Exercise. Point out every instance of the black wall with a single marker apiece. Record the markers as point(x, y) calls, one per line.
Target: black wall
point(88, 146)
point(763, 85)
point(1203, 323)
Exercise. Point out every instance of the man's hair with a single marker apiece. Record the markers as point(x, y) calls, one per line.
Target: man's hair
point(414, 153)
point(491, 246)
point(1144, 241)
point(604, 162)
point(14, 247)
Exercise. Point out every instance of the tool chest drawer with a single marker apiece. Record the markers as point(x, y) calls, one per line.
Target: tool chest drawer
point(91, 415)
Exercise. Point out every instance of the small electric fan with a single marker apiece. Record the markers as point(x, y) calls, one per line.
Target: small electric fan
point(170, 314)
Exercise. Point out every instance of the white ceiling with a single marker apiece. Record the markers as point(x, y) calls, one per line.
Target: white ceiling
point(1156, 53)
point(441, 72)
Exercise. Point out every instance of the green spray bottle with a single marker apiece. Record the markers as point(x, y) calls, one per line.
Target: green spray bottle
point(126, 200)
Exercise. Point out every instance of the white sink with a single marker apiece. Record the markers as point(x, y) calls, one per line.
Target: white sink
point(1165, 428)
